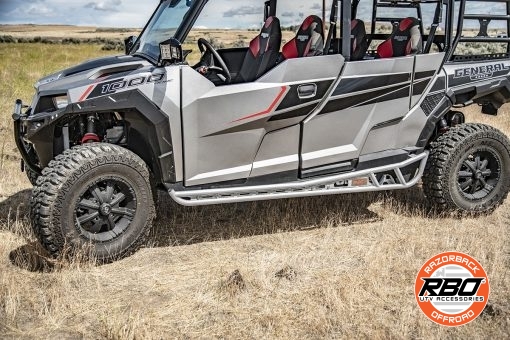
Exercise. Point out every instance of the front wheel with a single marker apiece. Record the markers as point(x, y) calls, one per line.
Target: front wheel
point(32, 176)
point(468, 169)
point(96, 197)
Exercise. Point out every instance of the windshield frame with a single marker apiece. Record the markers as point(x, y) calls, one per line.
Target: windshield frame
point(180, 34)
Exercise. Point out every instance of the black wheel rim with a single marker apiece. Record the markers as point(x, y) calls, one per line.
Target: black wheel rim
point(105, 209)
point(479, 174)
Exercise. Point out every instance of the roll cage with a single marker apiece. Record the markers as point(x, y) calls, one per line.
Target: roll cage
point(446, 10)
point(452, 13)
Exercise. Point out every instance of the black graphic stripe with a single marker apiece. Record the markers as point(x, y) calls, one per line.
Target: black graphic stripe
point(419, 87)
point(262, 123)
point(423, 75)
point(439, 84)
point(253, 125)
point(301, 112)
point(394, 92)
point(388, 123)
point(351, 85)
point(398, 94)
point(292, 98)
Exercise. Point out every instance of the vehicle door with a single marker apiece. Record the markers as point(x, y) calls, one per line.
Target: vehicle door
point(240, 131)
point(371, 93)
point(226, 127)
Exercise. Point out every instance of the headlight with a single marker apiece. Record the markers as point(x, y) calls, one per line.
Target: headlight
point(171, 51)
point(60, 102)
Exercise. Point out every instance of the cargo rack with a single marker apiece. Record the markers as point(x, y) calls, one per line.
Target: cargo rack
point(484, 21)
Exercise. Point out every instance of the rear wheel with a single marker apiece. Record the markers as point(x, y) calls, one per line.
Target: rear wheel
point(468, 169)
point(95, 197)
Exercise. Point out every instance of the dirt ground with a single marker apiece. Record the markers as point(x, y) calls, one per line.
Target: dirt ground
point(326, 267)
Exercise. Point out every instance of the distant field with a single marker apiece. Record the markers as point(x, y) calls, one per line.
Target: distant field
point(113, 38)
point(64, 31)
point(325, 267)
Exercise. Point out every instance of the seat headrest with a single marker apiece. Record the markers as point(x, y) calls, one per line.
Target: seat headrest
point(359, 43)
point(309, 40)
point(406, 39)
point(408, 23)
point(269, 35)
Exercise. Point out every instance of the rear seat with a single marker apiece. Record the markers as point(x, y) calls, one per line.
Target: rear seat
point(359, 42)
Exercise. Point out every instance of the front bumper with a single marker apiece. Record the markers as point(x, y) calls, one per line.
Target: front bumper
point(29, 158)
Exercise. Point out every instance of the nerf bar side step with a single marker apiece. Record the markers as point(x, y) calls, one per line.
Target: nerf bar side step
point(338, 184)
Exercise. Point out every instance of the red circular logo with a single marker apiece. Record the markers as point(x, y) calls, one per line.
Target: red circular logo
point(452, 289)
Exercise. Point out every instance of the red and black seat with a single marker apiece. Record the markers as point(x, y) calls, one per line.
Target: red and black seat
point(405, 40)
point(309, 40)
point(359, 42)
point(263, 52)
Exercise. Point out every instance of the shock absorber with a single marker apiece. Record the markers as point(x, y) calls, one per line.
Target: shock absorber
point(90, 136)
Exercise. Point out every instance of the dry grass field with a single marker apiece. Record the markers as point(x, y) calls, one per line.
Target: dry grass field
point(59, 31)
point(330, 267)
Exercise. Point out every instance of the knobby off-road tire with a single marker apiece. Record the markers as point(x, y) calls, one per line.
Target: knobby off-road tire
point(468, 169)
point(95, 197)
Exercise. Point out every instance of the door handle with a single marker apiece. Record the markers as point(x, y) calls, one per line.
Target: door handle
point(307, 91)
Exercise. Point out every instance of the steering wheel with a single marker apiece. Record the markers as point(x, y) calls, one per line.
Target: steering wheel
point(204, 45)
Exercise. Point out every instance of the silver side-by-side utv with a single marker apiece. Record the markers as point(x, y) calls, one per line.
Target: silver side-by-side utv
point(356, 103)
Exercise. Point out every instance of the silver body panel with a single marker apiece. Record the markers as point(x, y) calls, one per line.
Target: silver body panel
point(242, 131)
point(225, 126)
point(304, 116)
point(229, 133)
point(429, 65)
point(278, 152)
point(340, 135)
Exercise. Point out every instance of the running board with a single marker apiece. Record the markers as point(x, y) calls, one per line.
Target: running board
point(353, 182)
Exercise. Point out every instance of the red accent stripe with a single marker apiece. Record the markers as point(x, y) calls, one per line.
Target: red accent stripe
point(385, 50)
point(255, 46)
point(269, 21)
point(269, 109)
point(406, 24)
point(290, 50)
point(86, 93)
point(308, 21)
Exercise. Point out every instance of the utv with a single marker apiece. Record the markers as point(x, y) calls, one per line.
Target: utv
point(357, 104)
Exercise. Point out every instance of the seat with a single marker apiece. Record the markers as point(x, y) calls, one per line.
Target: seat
point(359, 40)
point(309, 40)
point(406, 39)
point(263, 52)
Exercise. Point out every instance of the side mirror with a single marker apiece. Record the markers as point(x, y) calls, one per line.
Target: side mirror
point(129, 43)
point(171, 52)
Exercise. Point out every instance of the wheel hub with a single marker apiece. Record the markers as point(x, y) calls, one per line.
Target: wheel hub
point(105, 209)
point(479, 174)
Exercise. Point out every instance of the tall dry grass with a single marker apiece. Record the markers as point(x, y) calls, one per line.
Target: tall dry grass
point(327, 267)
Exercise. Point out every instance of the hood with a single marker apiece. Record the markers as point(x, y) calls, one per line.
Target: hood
point(104, 66)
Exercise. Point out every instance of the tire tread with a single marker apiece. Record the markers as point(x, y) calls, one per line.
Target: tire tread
point(435, 178)
point(57, 177)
